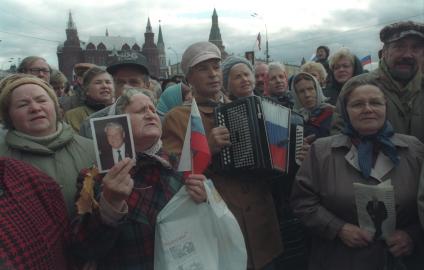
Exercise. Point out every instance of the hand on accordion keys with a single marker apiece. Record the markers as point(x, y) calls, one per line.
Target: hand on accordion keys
point(218, 138)
point(307, 141)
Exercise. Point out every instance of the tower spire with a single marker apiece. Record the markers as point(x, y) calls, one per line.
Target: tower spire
point(215, 35)
point(149, 26)
point(160, 37)
point(107, 32)
point(71, 24)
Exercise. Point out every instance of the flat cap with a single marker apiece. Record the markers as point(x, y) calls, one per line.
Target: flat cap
point(132, 59)
point(81, 68)
point(199, 52)
point(399, 30)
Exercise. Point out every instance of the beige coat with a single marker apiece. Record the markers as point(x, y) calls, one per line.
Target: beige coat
point(323, 199)
point(249, 199)
point(405, 109)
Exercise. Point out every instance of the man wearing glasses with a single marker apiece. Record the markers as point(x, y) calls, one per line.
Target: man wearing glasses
point(36, 66)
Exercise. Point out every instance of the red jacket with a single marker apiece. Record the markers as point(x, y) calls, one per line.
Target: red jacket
point(34, 225)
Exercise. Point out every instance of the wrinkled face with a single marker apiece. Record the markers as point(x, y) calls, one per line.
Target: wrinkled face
point(261, 75)
point(100, 88)
point(307, 94)
point(278, 83)
point(40, 69)
point(343, 70)
point(403, 57)
point(145, 122)
point(127, 77)
point(321, 54)
point(32, 111)
point(241, 81)
point(206, 78)
point(115, 137)
point(366, 108)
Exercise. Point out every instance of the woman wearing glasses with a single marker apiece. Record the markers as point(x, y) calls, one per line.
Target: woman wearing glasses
point(343, 66)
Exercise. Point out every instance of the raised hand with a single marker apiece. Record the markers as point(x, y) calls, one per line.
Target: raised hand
point(118, 184)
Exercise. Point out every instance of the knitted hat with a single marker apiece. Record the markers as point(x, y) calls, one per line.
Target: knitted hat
point(199, 52)
point(228, 64)
point(10, 83)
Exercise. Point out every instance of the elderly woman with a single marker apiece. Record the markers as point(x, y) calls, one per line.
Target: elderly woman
point(36, 135)
point(370, 153)
point(237, 77)
point(97, 85)
point(278, 87)
point(117, 214)
point(343, 66)
point(309, 101)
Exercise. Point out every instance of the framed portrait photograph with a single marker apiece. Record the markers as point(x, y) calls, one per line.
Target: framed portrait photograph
point(113, 140)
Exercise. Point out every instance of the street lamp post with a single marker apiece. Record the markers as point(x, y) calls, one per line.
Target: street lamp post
point(256, 15)
point(176, 58)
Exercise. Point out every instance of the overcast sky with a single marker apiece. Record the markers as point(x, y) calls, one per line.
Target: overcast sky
point(295, 28)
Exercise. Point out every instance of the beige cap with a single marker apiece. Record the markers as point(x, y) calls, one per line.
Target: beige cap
point(199, 52)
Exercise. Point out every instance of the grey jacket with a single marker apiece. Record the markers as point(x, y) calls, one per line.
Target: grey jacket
point(323, 199)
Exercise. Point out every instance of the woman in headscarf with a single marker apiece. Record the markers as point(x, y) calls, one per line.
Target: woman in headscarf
point(370, 153)
point(30, 111)
point(99, 92)
point(343, 66)
point(309, 101)
point(237, 77)
point(173, 96)
point(117, 211)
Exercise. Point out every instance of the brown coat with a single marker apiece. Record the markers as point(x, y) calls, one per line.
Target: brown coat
point(249, 199)
point(323, 199)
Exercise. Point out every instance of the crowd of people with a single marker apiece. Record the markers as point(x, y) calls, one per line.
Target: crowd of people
point(362, 131)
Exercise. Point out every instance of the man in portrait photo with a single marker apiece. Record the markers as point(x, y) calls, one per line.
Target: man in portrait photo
point(118, 148)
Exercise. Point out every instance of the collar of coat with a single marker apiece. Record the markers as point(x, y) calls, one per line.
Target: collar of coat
point(203, 102)
point(382, 165)
point(46, 146)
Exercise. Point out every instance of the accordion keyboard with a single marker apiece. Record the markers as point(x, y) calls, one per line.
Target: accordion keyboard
point(241, 153)
point(299, 142)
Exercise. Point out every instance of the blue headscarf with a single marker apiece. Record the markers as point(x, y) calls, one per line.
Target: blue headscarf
point(367, 144)
point(170, 98)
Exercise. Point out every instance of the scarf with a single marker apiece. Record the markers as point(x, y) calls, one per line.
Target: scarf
point(367, 146)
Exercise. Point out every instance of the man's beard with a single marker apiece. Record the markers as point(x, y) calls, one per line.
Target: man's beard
point(403, 75)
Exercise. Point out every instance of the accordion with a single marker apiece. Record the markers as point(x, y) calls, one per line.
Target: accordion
point(264, 135)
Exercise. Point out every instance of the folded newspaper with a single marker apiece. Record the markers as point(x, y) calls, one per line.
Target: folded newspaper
point(375, 205)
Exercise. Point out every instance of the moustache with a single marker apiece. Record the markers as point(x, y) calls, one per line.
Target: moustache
point(407, 61)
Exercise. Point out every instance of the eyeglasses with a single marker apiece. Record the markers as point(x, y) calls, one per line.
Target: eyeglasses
point(38, 70)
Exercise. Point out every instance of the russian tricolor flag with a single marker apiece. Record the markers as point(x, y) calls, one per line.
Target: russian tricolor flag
point(195, 155)
point(366, 60)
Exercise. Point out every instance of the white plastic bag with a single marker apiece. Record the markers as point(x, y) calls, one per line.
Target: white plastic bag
point(204, 236)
